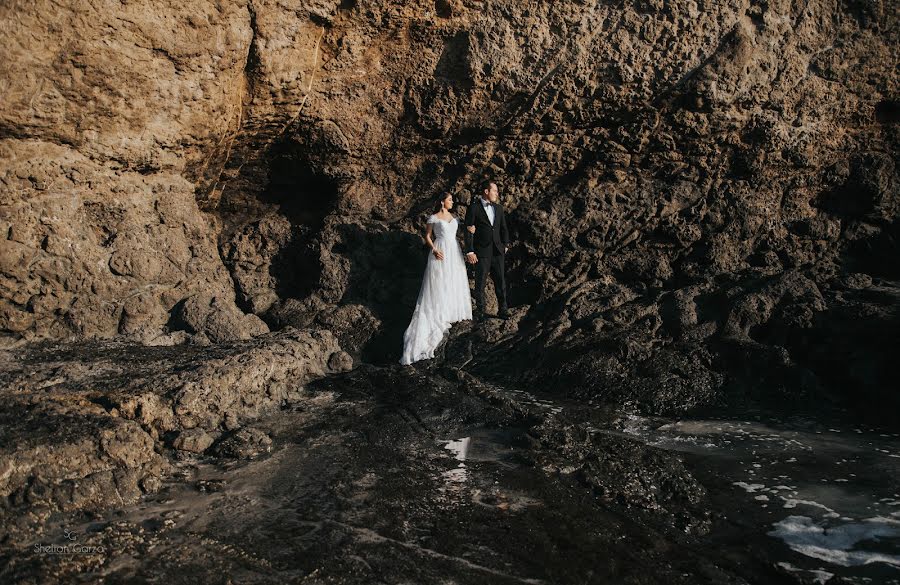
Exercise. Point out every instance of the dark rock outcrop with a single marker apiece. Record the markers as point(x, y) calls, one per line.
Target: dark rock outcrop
point(85, 427)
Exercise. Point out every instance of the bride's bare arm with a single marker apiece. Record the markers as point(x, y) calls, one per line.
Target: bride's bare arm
point(428, 233)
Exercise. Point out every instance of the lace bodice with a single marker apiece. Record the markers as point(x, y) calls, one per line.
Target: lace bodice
point(443, 229)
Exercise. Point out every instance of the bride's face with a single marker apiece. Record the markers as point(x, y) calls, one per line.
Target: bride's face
point(448, 202)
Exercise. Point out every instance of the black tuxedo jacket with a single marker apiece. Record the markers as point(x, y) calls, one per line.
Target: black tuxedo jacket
point(486, 236)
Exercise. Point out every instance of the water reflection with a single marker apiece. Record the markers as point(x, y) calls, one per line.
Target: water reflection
point(460, 449)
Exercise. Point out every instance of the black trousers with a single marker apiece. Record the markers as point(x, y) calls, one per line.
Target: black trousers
point(492, 262)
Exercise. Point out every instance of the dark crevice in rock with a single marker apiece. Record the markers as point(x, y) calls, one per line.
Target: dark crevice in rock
point(887, 112)
point(384, 276)
point(305, 197)
point(443, 8)
point(866, 254)
point(454, 65)
point(273, 248)
point(252, 61)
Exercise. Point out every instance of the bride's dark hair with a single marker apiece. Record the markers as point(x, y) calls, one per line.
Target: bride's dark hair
point(439, 202)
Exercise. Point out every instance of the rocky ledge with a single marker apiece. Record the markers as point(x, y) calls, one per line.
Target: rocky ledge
point(392, 473)
point(324, 474)
point(87, 426)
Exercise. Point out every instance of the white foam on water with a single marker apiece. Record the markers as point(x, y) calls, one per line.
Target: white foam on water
point(818, 575)
point(792, 503)
point(834, 544)
point(824, 474)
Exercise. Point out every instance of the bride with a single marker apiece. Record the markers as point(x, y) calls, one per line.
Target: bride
point(444, 297)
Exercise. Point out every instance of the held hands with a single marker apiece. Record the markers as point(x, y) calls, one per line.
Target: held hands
point(471, 229)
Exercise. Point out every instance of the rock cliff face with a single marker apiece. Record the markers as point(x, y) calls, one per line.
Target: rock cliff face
point(228, 197)
point(105, 109)
point(698, 191)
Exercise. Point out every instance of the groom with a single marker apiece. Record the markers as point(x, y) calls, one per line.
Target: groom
point(486, 248)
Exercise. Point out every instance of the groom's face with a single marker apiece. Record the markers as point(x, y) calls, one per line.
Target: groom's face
point(492, 193)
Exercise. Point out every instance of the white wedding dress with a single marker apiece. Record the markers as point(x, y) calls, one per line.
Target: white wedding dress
point(444, 297)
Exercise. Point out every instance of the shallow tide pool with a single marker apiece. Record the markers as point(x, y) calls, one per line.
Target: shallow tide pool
point(828, 492)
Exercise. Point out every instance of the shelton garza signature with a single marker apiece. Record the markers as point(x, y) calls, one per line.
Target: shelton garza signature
point(62, 549)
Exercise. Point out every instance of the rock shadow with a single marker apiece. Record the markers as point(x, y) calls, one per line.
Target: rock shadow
point(305, 197)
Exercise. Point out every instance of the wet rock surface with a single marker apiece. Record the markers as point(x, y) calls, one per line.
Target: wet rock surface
point(86, 426)
point(394, 475)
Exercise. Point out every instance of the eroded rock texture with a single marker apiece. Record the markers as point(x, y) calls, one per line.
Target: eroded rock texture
point(697, 189)
point(230, 195)
point(106, 107)
point(85, 428)
point(703, 195)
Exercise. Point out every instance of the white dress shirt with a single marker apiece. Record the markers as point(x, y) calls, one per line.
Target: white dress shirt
point(488, 208)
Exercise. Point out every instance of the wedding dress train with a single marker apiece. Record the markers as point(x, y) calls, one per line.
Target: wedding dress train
point(443, 298)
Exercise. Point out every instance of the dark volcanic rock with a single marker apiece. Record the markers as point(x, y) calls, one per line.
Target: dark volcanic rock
point(683, 180)
point(397, 475)
point(224, 201)
point(245, 443)
point(626, 472)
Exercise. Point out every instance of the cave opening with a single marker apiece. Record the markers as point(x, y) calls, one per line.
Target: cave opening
point(887, 112)
point(305, 196)
point(302, 194)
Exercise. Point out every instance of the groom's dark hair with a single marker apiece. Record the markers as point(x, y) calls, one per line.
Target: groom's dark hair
point(486, 185)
